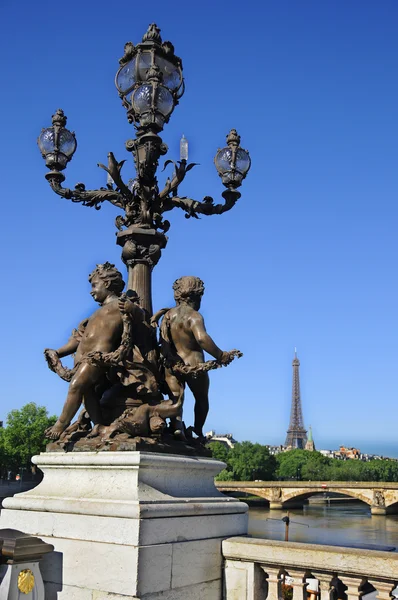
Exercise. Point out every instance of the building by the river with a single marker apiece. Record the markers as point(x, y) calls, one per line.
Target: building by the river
point(224, 438)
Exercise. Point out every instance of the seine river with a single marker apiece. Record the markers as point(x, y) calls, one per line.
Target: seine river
point(341, 524)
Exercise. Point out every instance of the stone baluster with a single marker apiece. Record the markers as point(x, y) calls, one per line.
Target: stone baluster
point(384, 588)
point(273, 580)
point(353, 584)
point(299, 584)
point(325, 584)
point(244, 581)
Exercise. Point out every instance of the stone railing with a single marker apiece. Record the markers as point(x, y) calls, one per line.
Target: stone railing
point(257, 569)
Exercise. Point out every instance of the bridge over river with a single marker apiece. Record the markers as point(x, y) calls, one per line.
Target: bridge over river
point(382, 497)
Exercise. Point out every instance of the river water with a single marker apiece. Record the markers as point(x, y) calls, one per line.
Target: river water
point(341, 524)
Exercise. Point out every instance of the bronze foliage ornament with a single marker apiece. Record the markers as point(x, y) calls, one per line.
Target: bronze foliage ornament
point(122, 371)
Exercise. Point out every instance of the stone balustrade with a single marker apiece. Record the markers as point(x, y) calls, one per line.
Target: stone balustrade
point(257, 569)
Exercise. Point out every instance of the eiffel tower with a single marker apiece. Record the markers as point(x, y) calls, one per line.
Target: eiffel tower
point(296, 434)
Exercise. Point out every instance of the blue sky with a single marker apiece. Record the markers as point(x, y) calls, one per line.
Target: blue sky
point(306, 258)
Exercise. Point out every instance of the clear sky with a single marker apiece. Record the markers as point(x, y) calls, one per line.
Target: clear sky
point(306, 258)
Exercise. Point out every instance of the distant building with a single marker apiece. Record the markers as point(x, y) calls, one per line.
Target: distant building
point(309, 445)
point(327, 453)
point(352, 453)
point(276, 449)
point(346, 453)
point(223, 438)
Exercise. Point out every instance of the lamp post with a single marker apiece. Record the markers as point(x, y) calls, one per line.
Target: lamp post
point(150, 84)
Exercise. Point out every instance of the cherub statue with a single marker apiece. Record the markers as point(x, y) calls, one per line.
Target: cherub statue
point(95, 339)
point(183, 339)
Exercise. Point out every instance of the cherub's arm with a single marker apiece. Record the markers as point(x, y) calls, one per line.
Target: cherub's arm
point(157, 316)
point(204, 340)
point(69, 348)
point(128, 307)
point(72, 344)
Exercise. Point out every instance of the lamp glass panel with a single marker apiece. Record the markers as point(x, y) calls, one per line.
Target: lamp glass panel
point(142, 98)
point(67, 142)
point(164, 101)
point(46, 140)
point(144, 62)
point(171, 73)
point(181, 89)
point(223, 160)
point(242, 161)
point(126, 76)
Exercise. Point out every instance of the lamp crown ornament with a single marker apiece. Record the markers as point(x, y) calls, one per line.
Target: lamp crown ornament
point(233, 139)
point(152, 34)
point(59, 118)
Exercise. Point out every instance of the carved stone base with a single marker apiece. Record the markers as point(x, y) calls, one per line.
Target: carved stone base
point(128, 525)
point(123, 442)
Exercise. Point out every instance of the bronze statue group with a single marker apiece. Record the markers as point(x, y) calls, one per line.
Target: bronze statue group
point(126, 362)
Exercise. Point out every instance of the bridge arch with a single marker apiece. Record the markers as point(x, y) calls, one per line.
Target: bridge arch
point(308, 493)
point(265, 494)
point(392, 508)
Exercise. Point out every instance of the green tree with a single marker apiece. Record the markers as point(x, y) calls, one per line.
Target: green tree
point(23, 437)
point(302, 465)
point(381, 470)
point(249, 461)
point(290, 464)
point(225, 475)
point(219, 451)
point(316, 467)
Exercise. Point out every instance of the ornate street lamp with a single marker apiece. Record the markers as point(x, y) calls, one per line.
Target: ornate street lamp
point(57, 146)
point(150, 83)
point(232, 162)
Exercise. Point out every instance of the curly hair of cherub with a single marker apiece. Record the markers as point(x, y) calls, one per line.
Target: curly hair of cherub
point(108, 273)
point(188, 287)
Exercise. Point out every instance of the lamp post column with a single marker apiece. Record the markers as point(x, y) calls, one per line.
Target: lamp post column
point(141, 251)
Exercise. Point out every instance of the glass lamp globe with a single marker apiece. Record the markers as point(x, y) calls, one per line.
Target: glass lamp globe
point(57, 144)
point(152, 104)
point(141, 65)
point(232, 162)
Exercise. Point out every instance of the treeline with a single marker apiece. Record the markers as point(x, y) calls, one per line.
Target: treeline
point(247, 462)
point(22, 438)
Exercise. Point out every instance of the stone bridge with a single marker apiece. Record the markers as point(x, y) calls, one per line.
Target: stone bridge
point(380, 496)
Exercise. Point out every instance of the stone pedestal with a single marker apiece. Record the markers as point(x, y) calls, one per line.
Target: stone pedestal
point(128, 524)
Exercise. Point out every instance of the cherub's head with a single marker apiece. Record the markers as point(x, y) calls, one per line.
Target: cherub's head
point(105, 281)
point(189, 290)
